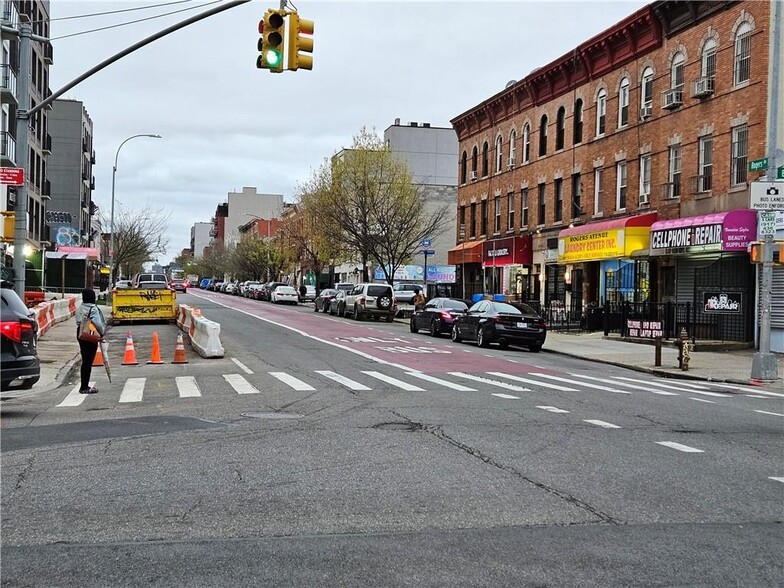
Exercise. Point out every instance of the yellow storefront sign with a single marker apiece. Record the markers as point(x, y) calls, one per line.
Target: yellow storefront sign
point(599, 245)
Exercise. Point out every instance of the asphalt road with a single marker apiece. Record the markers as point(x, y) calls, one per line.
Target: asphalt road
point(328, 452)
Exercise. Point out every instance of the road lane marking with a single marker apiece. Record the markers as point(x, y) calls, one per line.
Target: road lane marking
point(702, 400)
point(627, 385)
point(750, 390)
point(291, 381)
point(757, 396)
point(394, 381)
point(490, 382)
point(766, 412)
point(348, 383)
point(553, 409)
point(445, 383)
point(679, 447)
point(586, 384)
point(601, 424)
point(777, 479)
point(242, 366)
point(187, 386)
point(534, 382)
point(690, 384)
point(507, 396)
point(133, 390)
point(74, 398)
point(240, 384)
point(669, 387)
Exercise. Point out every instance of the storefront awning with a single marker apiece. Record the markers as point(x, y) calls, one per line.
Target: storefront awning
point(90, 253)
point(467, 252)
point(728, 231)
point(616, 238)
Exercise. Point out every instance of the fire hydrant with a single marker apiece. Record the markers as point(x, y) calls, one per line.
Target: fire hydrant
point(684, 350)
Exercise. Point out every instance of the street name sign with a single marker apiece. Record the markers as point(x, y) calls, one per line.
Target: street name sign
point(758, 164)
point(12, 176)
point(428, 252)
point(767, 195)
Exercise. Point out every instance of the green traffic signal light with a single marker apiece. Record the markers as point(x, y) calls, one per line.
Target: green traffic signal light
point(273, 31)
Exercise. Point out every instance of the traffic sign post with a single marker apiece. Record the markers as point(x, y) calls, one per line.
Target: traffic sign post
point(11, 176)
point(426, 252)
point(758, 164)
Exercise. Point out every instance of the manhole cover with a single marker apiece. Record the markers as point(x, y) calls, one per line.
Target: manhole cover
point(397, 426)
point(271, 415)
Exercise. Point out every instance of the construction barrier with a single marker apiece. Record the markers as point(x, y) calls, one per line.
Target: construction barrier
point(53, 312)
point(204, 334)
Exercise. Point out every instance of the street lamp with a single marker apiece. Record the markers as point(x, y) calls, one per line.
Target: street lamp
point(111, 221)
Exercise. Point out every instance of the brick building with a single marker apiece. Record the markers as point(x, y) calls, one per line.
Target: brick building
point(619, 172)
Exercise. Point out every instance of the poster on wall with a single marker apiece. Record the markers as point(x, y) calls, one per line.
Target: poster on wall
point(416, 273)
point(722, 303)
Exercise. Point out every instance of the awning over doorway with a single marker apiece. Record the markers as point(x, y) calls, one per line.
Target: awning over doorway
point(90, 253)
point(731, 230)
point(467, 252)
point(616, 238)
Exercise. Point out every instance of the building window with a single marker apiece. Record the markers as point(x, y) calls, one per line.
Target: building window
point(497, 214)
point(577, 189)
point(543, 136)
point(674, 172)
point(742, 54)
point(646, 98)
point(542, 205)
point(499, 154)
point(620, 185)
point(598, 176)
point(526, 143)
point(708, 66)
point(472, 230)
point(463, 168)
point(578, 121)
point(623, 103)
point(510, 207)
point(484, 218)
point(645, 178)
point(705, 178)
point(558, 200)
point(485, 157)
point(512, 147)
point(740, 147)
point(560, 128)
point(524, 208)
point(601, 112)
point(676, 71)
point(473, 160)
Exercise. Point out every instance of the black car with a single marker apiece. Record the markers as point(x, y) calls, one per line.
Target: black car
point(501, 322)
point(323, 299)
point(437, 316)
point(18, 340)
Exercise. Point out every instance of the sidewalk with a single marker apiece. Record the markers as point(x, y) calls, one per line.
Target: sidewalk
point(58, 351)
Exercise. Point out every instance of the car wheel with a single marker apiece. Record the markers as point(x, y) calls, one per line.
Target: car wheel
point(390, 317)
point(412, 325)
point(342, 310)
point(435, 328)
point(481, 338)
point(357, 316)
point(456, 334)
point(535, 348)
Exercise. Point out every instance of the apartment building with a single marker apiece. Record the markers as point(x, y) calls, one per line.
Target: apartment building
point(619, 172)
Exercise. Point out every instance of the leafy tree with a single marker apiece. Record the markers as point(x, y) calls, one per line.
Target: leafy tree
point(250, 258)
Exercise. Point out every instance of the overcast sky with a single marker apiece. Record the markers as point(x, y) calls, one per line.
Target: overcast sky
point(226, 124)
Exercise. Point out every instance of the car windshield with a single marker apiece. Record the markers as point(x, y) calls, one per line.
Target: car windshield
point(455, 305)
point(377, 290)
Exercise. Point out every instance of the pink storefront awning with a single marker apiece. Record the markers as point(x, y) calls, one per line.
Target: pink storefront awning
point(729, 231)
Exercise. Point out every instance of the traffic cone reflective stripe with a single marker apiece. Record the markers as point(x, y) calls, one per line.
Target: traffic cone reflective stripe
point(130, 352)
point(156, 350)
point(98, 361)
point(179, 351)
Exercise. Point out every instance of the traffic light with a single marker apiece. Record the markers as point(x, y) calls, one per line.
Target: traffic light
point(273, 32)
point(756, 252)
point(300, 40)
point(9, 218)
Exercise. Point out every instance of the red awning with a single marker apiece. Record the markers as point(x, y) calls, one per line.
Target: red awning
point(467, 252)
point(642, 220)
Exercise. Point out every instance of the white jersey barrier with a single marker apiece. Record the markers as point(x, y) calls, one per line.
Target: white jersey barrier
point(50, 313)
point(203, 334)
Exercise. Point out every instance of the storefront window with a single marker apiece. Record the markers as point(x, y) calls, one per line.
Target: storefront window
point(626, 281)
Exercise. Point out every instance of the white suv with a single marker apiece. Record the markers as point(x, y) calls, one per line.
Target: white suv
point(374, 300)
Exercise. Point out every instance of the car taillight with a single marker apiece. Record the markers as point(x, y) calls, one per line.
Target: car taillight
point(445, 314)
point(14, 330)
point(361, 300)
point(539, 324)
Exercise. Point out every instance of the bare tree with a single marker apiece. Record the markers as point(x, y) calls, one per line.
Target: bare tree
point(139, 237)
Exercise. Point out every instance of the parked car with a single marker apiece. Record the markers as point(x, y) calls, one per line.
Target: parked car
point(404, 293)
point(150, 281)
point(284, 295)
point(179, 285)
point(310, 294)
point(250, 289)
point(345, 286)
point(266, 291)
point(438, 315)
point(321, 302)
point(205, 282)
point(501, 322)
point(337, 306)
point(123, 284)
point(18, 340)
point(374, 300)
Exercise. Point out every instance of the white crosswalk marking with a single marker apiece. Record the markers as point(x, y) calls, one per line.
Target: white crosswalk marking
point(679, 447)
point(187, 386)
point(242, 366)
point(240, 384)
point(507, 396)
point(290, 380)
point(394, 381)
point(445, 383)
point(534, 382)
point(670, 387)
point(553, 409)
point(601, 424)
point(749, 390)
point(770, 413)
point(133, 390)
point(348, 383)
point(586, 384)
point(703, 400)
point(627, 385)
point(74, 398)
point(490, 382)
point(777, 479)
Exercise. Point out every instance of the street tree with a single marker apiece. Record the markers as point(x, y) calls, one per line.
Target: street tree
point(250, 258)
point(139, 237)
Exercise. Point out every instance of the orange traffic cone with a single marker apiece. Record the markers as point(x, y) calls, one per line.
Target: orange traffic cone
point(98, 361)
point(156, 350)
point(130, 351)
point(179, 351)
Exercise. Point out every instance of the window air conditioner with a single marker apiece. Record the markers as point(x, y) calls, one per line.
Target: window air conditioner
point(703, 87)
point(472, 175)
point(646, 112)
point(511, 162)
point(644, 201)
point(672, 99)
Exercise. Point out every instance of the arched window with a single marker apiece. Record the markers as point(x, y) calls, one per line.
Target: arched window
point(499, 153)
point(578, 121)
point(526, 143)
point(474, 156)
point(560, 128)
point(543, 136)
point(463, 167)
point(646, 88)
point(742, 64)
point(623, 103)
point(708, 59)
point(601, 112)
point(512, 147)
point(676, 71)
point(485, 157)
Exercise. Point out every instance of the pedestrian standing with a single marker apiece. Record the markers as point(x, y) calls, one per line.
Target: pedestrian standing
point(302, 292)
point(88, 349)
